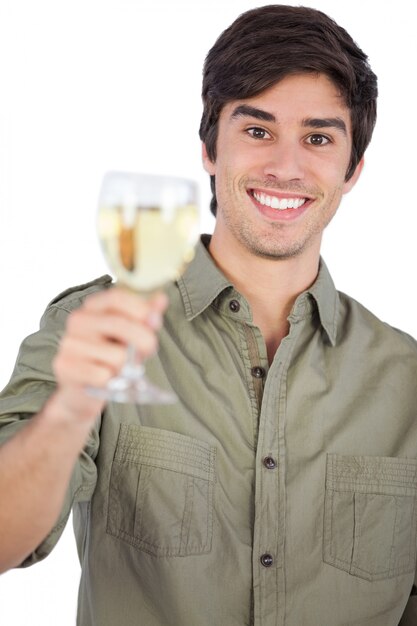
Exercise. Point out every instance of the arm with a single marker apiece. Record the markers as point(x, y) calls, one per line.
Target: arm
point(37, 462)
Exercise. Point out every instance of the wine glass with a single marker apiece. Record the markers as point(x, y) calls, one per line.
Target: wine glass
point(148, 226)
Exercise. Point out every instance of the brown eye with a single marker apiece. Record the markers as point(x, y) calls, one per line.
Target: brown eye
point(258, 133)
point(318, 140)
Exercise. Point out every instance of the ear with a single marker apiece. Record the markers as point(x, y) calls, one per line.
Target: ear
point(349, 184)
point(208, 165)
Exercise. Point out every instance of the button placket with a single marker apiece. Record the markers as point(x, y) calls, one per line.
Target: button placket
point(270, 500)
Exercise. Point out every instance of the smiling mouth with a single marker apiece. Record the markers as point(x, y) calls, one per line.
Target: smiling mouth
point(281, 204)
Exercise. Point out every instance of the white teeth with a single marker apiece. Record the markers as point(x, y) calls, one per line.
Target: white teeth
point(278, 203)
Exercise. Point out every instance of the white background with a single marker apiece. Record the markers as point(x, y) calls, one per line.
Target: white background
point(92, 85)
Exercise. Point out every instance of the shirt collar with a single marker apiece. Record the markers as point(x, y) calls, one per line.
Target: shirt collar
point(203, 281)
point(326, 298)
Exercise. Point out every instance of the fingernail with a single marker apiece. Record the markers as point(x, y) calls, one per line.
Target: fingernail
point(155, 320)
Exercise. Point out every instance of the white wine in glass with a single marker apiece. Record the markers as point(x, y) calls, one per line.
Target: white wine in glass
point(148, 226)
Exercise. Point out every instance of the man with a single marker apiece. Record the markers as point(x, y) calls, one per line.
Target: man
point(281, 487)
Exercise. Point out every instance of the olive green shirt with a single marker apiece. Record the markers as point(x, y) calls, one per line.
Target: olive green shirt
point(267, 495)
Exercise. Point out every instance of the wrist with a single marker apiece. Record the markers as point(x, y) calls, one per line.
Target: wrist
point(72, 408)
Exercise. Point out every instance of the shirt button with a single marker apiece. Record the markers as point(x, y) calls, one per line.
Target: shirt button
point(258, 372)
point(234, 306)
point(269, 462)
point(267, 560)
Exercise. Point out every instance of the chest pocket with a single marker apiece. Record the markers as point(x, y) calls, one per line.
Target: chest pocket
point(161, 492)
point(370, 515)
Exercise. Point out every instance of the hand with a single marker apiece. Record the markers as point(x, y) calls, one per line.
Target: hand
point(94, 346)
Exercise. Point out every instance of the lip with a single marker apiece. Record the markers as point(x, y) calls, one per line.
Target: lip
point(280, 215)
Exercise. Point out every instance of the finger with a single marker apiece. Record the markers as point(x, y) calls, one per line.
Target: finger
point(74, 373)
point(118, 300)
point(107, 353)
point(96, 329)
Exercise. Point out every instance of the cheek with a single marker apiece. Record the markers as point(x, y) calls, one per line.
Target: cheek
point(331, 176)
point(236, 154)
point(226, 180)
point(229, 187)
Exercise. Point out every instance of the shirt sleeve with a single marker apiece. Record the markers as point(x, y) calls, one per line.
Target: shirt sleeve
point(31, 384)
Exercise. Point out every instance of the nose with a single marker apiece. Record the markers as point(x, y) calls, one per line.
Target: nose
point(284, 162)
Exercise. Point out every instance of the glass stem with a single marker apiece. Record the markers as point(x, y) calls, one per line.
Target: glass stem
point(132, 369)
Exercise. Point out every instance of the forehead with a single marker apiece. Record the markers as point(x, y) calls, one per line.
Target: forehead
point(296, 97)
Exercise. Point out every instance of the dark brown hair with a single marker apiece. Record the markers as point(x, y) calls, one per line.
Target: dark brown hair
point(268, 43)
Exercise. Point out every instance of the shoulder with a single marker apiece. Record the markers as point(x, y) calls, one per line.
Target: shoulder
point(72, 298)
point(355, 320)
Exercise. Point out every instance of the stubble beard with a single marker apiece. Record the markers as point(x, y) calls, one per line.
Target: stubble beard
point(272, 245)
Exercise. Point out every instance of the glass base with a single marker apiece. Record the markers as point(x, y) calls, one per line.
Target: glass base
point(133, 387)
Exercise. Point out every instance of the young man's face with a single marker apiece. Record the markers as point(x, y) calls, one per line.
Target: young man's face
point(282, 158)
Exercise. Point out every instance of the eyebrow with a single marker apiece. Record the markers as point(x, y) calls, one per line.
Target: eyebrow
point(245, 110)
point(326, 122)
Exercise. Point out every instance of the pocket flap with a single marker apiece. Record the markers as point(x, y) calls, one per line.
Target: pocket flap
point(166, 450)
point(372, 474)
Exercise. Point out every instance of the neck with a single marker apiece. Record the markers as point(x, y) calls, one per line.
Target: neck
point(271, 286)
